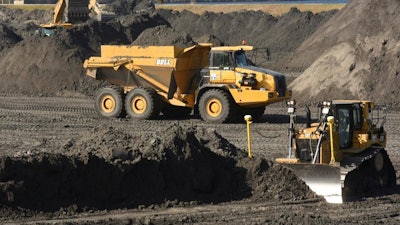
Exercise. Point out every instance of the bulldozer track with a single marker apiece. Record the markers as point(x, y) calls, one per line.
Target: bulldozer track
point(351, 163)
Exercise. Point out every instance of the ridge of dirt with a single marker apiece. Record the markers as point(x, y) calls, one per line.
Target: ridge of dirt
point(110, 168)
point(53, 65)
point(281, 35)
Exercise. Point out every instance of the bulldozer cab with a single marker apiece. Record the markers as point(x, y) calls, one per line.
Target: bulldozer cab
point(349, 117)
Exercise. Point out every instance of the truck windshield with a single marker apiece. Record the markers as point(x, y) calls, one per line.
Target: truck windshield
point(240, 57)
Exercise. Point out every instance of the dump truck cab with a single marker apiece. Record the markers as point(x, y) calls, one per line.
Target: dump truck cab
point(251, 88)
point(229, 66)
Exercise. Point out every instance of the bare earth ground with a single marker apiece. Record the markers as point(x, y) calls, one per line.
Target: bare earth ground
point(29, 125)
point(62, 164)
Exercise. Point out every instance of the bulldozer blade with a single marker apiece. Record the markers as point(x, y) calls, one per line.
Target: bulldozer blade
point(323, 179)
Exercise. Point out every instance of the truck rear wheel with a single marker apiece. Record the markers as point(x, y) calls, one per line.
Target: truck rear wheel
point(109, 102)
point(216, 106)
point(142, 103)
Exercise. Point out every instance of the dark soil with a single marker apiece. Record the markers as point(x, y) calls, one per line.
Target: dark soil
point(62, 164)
point(53, 65)
point(111, 168)
point(58, 160)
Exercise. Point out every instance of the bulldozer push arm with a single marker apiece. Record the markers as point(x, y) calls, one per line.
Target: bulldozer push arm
point(343, 154)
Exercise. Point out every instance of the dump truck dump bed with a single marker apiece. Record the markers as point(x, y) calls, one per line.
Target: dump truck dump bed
point(167, 68)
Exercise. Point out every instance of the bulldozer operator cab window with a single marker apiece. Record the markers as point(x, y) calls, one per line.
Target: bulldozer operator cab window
point(357, 117)
point(350, 118)
point(221, 60)
point(344, 128)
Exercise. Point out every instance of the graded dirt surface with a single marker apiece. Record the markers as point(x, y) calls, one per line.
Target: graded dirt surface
point(60, 163)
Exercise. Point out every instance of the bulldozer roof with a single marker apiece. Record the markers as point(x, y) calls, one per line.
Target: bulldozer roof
point(339, 102)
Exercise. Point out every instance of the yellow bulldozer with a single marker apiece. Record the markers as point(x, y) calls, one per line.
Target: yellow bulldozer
point(219, 83)
point(342, 155)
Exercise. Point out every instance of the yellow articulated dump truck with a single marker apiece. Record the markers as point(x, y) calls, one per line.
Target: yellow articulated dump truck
point(219, 83)
point(342, 156)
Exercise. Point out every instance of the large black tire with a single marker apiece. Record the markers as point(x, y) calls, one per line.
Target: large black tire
point(142, 104)
point(216, 106)
point(109, 102)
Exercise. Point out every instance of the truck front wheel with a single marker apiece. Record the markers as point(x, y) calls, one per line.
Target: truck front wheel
point(216, 106)
point(142, 103)
point(109, 102)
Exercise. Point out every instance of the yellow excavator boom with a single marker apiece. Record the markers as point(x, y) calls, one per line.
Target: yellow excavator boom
point(59, 11)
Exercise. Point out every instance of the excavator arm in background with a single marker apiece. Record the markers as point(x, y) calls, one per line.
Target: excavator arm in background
point(59, 10)
point(69, 12)
point(98, 13)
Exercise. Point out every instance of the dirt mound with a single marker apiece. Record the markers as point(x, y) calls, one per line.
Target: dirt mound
point(282, 35)
point(156, 36)
point(123, 7)
point(39, 66)
point(53, 66)
point(358, 54)
point(7, 37)
point(112, 168)
point(16, 17)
